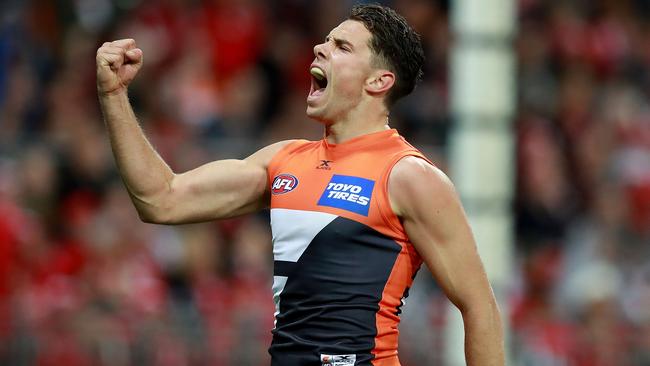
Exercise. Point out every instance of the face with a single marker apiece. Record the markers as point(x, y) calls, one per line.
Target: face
point(345, 60)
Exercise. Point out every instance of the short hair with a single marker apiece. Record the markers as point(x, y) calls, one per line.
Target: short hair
point(394, 44)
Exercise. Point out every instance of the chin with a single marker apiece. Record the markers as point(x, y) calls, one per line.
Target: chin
point(317, 115)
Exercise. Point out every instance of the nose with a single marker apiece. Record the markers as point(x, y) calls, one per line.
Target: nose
point(319, 50)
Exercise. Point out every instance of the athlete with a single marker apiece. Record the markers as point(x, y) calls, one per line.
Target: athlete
point(353, 215)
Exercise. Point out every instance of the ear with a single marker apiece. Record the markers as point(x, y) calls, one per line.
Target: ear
point(380, 82)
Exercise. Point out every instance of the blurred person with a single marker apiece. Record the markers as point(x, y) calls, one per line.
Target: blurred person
point(236, 30)
point(250, 314)
point(545, 203)
point(604, 338)
point(353, 215)
point(39, 181)
point(15, 106)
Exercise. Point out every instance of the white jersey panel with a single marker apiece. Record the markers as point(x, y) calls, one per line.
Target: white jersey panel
point(293, 230)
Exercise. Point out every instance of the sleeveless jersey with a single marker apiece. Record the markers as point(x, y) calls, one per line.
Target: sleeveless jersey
point(342, 261)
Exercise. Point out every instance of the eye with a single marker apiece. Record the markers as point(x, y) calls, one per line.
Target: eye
point(343, 46)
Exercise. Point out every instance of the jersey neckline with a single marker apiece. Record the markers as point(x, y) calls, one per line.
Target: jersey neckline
point(361, 141)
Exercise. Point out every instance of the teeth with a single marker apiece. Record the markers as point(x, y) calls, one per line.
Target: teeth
point(318, 73)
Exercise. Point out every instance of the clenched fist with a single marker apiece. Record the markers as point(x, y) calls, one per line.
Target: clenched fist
point(117, 64)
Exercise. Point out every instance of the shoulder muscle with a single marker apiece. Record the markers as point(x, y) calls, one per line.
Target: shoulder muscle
point(263, 156)
point(414, 183)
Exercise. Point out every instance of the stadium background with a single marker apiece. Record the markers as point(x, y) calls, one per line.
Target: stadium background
point(83, 282)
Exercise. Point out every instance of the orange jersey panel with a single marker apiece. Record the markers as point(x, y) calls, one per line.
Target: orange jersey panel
point(342, 260)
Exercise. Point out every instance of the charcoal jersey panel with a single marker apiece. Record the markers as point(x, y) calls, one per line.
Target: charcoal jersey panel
point(342, 260)
point(329, 305)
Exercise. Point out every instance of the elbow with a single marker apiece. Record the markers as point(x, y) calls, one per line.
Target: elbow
point(149, 218)
point(486, 305)
point(156, 215)
point(485, 312)
point(153, 212)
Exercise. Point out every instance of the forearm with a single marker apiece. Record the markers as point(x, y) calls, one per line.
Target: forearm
point(484, 343)
point(144, 172)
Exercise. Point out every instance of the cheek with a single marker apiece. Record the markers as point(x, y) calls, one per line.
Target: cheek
point(349, 83)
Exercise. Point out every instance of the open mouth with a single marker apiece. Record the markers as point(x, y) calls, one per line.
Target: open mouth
point(319, 80)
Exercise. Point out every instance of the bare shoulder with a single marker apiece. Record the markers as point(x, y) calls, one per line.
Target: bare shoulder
point(263, 156)
point(414, 182)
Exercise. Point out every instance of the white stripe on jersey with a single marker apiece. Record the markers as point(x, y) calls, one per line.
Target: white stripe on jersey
point(293, 230)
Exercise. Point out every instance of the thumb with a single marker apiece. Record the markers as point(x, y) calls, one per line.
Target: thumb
point(134, 56)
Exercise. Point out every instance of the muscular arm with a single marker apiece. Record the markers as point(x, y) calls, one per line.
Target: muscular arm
point(436, 225)
point(220, 189)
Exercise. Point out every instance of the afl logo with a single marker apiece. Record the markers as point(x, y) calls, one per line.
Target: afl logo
point(284, 183)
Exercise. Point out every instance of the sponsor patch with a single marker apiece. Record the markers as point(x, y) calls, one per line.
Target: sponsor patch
point(284, 183)
point(338, 360)
point(348, 193)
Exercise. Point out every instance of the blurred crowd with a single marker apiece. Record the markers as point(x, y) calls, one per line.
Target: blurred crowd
point(84, 282)
point(583, 204)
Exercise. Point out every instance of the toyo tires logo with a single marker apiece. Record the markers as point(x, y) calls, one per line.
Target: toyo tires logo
point(284, 183)
point(348, 193)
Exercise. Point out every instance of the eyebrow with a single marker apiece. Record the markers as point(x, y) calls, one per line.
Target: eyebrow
point(339, 41)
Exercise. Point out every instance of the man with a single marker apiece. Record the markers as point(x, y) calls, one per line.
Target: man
point(353, 215)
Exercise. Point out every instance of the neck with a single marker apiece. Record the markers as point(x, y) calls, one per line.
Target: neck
point(353, 126)
point(338, 133)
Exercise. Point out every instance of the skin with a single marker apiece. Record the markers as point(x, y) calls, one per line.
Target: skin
point(437, 226)
point(350, 106)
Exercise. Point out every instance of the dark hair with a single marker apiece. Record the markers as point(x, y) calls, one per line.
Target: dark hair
point(395, 44)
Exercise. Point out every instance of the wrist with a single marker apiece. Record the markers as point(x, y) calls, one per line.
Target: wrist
point(112, 94)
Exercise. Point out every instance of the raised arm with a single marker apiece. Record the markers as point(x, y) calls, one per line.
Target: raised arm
point(220, 189)
point(426, 201)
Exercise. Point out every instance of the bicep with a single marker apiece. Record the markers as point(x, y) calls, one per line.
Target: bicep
point(221, 189)
point(437, 227)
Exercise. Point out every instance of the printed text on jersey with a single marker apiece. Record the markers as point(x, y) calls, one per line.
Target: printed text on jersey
point(348, 193)
point(284, 183)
